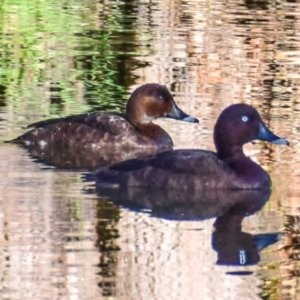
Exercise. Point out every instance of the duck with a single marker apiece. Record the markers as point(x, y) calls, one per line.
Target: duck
point(133, 129)
point(195, 169)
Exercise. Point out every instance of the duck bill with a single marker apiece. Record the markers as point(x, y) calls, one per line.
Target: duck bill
point(178, 114)
point(266, 134)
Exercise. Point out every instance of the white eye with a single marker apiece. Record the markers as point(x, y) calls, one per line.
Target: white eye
point(245, 118)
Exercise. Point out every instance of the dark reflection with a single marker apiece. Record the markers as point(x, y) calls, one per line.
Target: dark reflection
point(176, 204)
point(55, 96)
point(234, 247)
point(82, 159)
point(257, 4)
point(108, 216)
point(2, 96)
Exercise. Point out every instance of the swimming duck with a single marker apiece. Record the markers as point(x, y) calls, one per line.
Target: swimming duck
point(98, 130)
point(228, 168)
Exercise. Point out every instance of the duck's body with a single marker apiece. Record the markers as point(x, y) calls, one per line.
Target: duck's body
point(98, 130)
point(95, 131)
point(185, 169)
point(229, 168)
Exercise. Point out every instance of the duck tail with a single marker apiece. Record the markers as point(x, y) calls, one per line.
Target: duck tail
point(18, 140)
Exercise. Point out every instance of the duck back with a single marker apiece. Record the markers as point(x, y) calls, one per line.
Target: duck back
point(184, 169)
point(95, 131)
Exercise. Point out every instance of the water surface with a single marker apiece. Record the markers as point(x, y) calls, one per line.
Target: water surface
point(59, 241)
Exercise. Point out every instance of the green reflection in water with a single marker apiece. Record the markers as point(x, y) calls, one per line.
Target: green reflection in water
point(33, 50)
point(62, 57)
point(114, 49)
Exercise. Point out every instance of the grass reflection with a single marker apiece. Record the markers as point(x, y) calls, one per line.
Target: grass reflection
point(63, 57)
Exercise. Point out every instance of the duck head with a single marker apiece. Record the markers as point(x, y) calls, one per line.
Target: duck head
point(153, 101)
point(239, 124)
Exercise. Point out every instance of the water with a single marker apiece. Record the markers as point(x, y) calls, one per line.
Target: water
point(59, 241)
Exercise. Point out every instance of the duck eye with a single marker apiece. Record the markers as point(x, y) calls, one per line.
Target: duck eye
point(160, 97)
point(245, 118)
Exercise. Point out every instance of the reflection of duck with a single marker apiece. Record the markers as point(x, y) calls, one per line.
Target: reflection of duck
point(229, 168)
point(229, 207)
point(233, 246)
point(99, 130)
point(186, 205)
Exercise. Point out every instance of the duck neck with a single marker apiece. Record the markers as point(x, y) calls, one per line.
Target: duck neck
point(229, 152)
point(151, 132)
point(246, 169)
